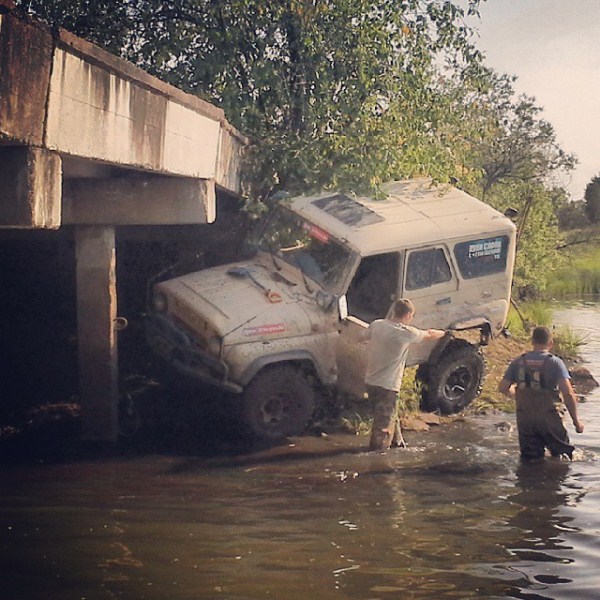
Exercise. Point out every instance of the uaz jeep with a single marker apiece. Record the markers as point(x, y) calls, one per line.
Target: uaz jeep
point(275, 327)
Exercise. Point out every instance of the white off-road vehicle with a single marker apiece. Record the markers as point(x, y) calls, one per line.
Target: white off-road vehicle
point(285, 322)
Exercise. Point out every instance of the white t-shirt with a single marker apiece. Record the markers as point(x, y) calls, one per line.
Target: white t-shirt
point(388, 347)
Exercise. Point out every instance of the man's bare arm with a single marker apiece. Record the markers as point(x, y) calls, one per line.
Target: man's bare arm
point(570, 400)
point(507, 388)
point(434, 334)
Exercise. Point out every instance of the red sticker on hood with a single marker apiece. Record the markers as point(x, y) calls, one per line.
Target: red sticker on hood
point(265, 329)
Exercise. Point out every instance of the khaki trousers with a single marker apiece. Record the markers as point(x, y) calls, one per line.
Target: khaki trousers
point(386, 431)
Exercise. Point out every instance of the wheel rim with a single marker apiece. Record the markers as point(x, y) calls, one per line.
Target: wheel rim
point(276, 410)
point(458, 384)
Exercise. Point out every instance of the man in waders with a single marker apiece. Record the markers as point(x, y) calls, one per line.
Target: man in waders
point(389, 340)
point(537, 380)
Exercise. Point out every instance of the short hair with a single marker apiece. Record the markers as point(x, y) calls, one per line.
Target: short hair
point(402, 307)
point(541, 336)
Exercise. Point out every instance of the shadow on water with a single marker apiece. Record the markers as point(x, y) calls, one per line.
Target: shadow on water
point(179, 420)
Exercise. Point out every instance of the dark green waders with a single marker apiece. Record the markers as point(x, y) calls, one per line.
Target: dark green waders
point(540, 424)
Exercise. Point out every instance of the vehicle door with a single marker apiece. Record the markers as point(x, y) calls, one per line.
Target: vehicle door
point(430, 282)
point(372, 290)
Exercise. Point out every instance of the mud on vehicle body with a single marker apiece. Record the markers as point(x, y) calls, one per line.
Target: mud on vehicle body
point(288, 320)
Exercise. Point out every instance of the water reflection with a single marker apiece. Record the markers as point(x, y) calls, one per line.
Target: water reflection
point(541, 492)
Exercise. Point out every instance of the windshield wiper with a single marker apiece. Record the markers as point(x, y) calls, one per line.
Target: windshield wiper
point(305, 280)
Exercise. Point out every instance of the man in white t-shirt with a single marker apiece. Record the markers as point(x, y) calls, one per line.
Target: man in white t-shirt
point(389, 340)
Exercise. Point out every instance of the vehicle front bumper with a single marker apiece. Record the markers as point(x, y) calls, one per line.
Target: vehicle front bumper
point(181, 352)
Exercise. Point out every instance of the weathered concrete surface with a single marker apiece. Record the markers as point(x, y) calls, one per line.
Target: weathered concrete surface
point(30, 187)
point(138, 201)
point(96, 113)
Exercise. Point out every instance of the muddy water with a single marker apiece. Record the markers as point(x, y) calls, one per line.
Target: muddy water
point(452, 516)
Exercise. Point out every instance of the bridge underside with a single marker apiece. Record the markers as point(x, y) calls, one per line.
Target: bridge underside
point(92, 144)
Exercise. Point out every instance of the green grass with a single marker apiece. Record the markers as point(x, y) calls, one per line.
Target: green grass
point(567, 343)
point(527, 315)
point(581, 278)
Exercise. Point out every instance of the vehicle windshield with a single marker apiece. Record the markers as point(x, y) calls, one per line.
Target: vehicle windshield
point(307, 247)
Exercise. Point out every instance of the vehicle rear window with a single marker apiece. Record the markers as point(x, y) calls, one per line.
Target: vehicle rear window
point(477, 258)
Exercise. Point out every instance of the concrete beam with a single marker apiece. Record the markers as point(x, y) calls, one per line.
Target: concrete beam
point(30, 194)
point(96, 314)
point(151, 200)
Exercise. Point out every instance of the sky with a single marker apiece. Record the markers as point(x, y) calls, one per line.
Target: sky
point(553, 47)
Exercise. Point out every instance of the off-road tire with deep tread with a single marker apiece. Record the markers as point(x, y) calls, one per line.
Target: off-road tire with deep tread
point(278, 402)
point(454, 381)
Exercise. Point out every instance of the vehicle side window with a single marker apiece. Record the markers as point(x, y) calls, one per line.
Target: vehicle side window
point(373, 287)
point(481, 257)
point(426, 268)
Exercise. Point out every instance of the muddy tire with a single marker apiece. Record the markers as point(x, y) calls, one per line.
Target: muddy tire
point(278, 402)
point(454, 381)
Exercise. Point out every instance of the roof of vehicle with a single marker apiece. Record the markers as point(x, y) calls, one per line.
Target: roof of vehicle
point(415, 212)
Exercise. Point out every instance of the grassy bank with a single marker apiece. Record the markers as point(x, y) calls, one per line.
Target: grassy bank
point(580, 278)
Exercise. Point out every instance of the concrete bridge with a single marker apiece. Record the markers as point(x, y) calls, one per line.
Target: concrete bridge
point(90, 141)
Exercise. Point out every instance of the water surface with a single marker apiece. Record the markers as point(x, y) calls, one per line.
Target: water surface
point(453, 516)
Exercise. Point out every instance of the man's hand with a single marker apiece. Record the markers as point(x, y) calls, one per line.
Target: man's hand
point(507, 388)
point(435, 334)
point(578, 425)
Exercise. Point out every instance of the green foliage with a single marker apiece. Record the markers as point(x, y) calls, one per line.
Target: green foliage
point(410, 392)
point(104, 22)
point(512, 158)
point(357, 424)
point(539, 237)
point(572, 215)
point(527, 315)
point(592, 200)
point(567, 342)
point(515, 143)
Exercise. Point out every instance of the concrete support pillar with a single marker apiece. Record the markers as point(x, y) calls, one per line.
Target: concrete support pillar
point(96, 314)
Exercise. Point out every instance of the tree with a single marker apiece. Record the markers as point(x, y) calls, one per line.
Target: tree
point(105, 22)
point(572, 215)
point(592, 200)
point(333, 93)
point(515, 142)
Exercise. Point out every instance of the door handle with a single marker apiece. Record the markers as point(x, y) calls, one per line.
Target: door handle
point(444, 301)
